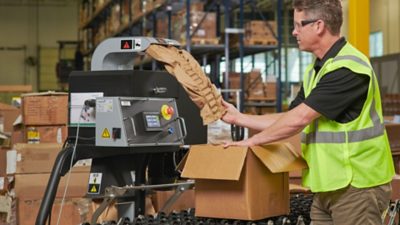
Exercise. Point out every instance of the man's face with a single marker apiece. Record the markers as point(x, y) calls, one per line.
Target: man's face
point(304, 30)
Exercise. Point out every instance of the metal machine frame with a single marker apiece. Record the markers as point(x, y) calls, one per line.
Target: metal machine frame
point(116, 54)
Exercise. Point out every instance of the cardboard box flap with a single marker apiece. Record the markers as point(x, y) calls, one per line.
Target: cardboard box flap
point(279, 157)
point(214, 162)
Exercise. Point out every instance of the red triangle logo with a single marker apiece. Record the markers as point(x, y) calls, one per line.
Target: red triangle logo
point(126, 45)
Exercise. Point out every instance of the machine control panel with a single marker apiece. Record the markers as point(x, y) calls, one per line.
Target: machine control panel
point(152, 121)
point(138, 121)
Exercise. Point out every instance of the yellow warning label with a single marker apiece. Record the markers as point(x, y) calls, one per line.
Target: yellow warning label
point(93, 189)
point(105, 134)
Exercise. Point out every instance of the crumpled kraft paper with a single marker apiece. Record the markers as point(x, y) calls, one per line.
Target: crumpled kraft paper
point(189, 74)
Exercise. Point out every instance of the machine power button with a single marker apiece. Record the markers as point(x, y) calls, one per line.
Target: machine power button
point(167, 112)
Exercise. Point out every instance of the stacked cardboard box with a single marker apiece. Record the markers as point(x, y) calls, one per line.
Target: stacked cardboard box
point(74, 211)
point(114, 21)
point(44, 118)
point(393, 133)
point(257, 89)
point(125, 8)
point(136, 9)
point(202, 25)
point(259, 32)
point(3, 171)
point(8, 114)
point(30, 166)
point(391, 104)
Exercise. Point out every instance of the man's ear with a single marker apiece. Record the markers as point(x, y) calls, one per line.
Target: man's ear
point(320, 27)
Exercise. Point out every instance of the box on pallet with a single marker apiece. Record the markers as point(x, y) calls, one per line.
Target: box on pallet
point(3, 169)
point(74, 211)
point(260, 27)
point(8, 114)
point(241, 182)
point(38, 133)
point(393, 133)
point(33, 186)
point(47, 108)
point(202, 27)
point(259, 32)
point(37, 158)
point(46, 134)
point(396, 187)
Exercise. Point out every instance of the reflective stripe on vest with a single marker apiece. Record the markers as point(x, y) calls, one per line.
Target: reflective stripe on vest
point(376, 130)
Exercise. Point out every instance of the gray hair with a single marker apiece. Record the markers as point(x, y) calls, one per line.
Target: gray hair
point(330, 11)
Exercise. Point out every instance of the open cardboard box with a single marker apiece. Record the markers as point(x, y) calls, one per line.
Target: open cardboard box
point(241, 182)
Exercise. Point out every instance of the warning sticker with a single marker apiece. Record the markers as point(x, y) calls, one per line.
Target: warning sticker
point(104, 105)
point(106, 133)
point(94, 183)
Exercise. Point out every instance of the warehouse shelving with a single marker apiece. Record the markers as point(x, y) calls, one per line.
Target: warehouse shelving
point(207, 54)
point(94, 17)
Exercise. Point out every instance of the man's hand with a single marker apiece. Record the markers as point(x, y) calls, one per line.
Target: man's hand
point(232, 114)
point(246, 142)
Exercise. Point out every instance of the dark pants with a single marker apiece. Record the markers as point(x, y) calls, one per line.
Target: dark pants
point(351, 206)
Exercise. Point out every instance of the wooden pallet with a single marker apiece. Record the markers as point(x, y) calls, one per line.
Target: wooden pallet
point(260, 41)
point(260, 98)
point(205, 41)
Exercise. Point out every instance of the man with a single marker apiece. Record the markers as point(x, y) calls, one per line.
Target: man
point(338, 112)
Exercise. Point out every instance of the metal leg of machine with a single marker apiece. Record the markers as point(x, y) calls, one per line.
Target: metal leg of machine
point(135, 126)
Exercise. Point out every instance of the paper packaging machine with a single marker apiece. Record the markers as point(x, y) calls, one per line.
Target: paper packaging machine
point(128, 122)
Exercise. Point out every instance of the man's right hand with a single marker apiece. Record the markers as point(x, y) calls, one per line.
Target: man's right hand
point(232, 114)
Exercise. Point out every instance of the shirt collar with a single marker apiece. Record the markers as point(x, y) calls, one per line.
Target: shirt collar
point(332, 52)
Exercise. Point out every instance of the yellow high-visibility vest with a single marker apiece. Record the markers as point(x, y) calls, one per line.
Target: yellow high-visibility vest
point(356, 152)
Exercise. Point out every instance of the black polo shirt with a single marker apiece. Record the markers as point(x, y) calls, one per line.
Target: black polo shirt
point(339, 95)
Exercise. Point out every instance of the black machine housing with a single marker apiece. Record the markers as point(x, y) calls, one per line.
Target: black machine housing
point(122, 166)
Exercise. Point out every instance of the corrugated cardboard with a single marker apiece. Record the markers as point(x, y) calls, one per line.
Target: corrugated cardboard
point(3, 161)
point(8, 114)
point(73, 212)
point(294, 140)
point(396, 187)
point(32, 186)
point(49, 108)
point(48, 134)
point(39, 158)
point(393, 133)
point(3, 167)
point(185, 200)
point(241, 182)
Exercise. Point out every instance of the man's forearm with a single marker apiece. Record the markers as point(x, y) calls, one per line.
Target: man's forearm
point(257, 122)
point(286, 125)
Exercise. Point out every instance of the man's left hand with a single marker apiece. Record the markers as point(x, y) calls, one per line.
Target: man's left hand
point(246, 142)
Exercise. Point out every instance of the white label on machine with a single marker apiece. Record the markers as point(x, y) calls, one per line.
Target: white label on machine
point(79, 114)
point(125, 103)
point(137, 44)
point(104, 105)
point(94, 183)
